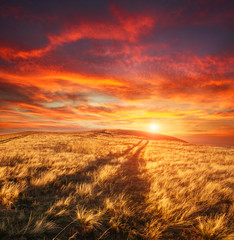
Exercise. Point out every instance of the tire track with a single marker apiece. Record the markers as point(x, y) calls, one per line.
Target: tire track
point(129, 178)
point(136, 186)
point(13, 138)
point(130, 182)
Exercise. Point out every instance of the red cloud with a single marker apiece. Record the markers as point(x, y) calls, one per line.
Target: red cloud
point(126, 28)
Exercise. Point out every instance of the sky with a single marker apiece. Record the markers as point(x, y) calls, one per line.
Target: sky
point(83, 65)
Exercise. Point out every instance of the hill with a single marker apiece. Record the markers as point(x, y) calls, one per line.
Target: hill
point(113, 184)
point(116, 132)
point(142, 134)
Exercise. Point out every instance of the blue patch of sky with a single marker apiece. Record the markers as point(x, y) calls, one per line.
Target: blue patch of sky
point(103, 99)
point(54, 105)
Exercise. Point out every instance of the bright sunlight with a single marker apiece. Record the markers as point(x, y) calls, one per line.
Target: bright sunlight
point(154, 127)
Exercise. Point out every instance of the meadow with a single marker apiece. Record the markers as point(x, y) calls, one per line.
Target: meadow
point(114, 184)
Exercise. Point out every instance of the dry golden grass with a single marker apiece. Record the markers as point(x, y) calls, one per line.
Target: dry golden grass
point(114, 185)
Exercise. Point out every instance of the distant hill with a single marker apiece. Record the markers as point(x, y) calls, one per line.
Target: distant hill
point(114, 132)
point(142, 134)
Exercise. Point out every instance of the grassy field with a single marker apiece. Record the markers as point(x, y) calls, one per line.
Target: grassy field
point(114, 185)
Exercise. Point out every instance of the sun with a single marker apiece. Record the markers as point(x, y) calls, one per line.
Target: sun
point(154, 127)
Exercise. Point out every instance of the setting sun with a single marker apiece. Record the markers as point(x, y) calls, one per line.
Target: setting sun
point(154, 127)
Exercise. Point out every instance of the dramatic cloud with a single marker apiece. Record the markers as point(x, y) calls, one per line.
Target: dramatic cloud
point(78, 65)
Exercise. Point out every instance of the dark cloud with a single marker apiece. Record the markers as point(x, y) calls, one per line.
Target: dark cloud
point(22, 35)
point(226, 113)
point(16, 93)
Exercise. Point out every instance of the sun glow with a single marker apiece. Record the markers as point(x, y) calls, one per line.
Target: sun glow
point(154, 127)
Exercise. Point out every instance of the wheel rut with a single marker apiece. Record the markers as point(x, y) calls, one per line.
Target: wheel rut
point(131, 181)
point(13, 138)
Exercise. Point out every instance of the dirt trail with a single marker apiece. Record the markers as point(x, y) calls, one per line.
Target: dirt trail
point(136, 186)
point(133, 183)
point(13, 138)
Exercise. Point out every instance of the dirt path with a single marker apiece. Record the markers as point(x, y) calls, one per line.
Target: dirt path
point(13, 138)
point(136, 186)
